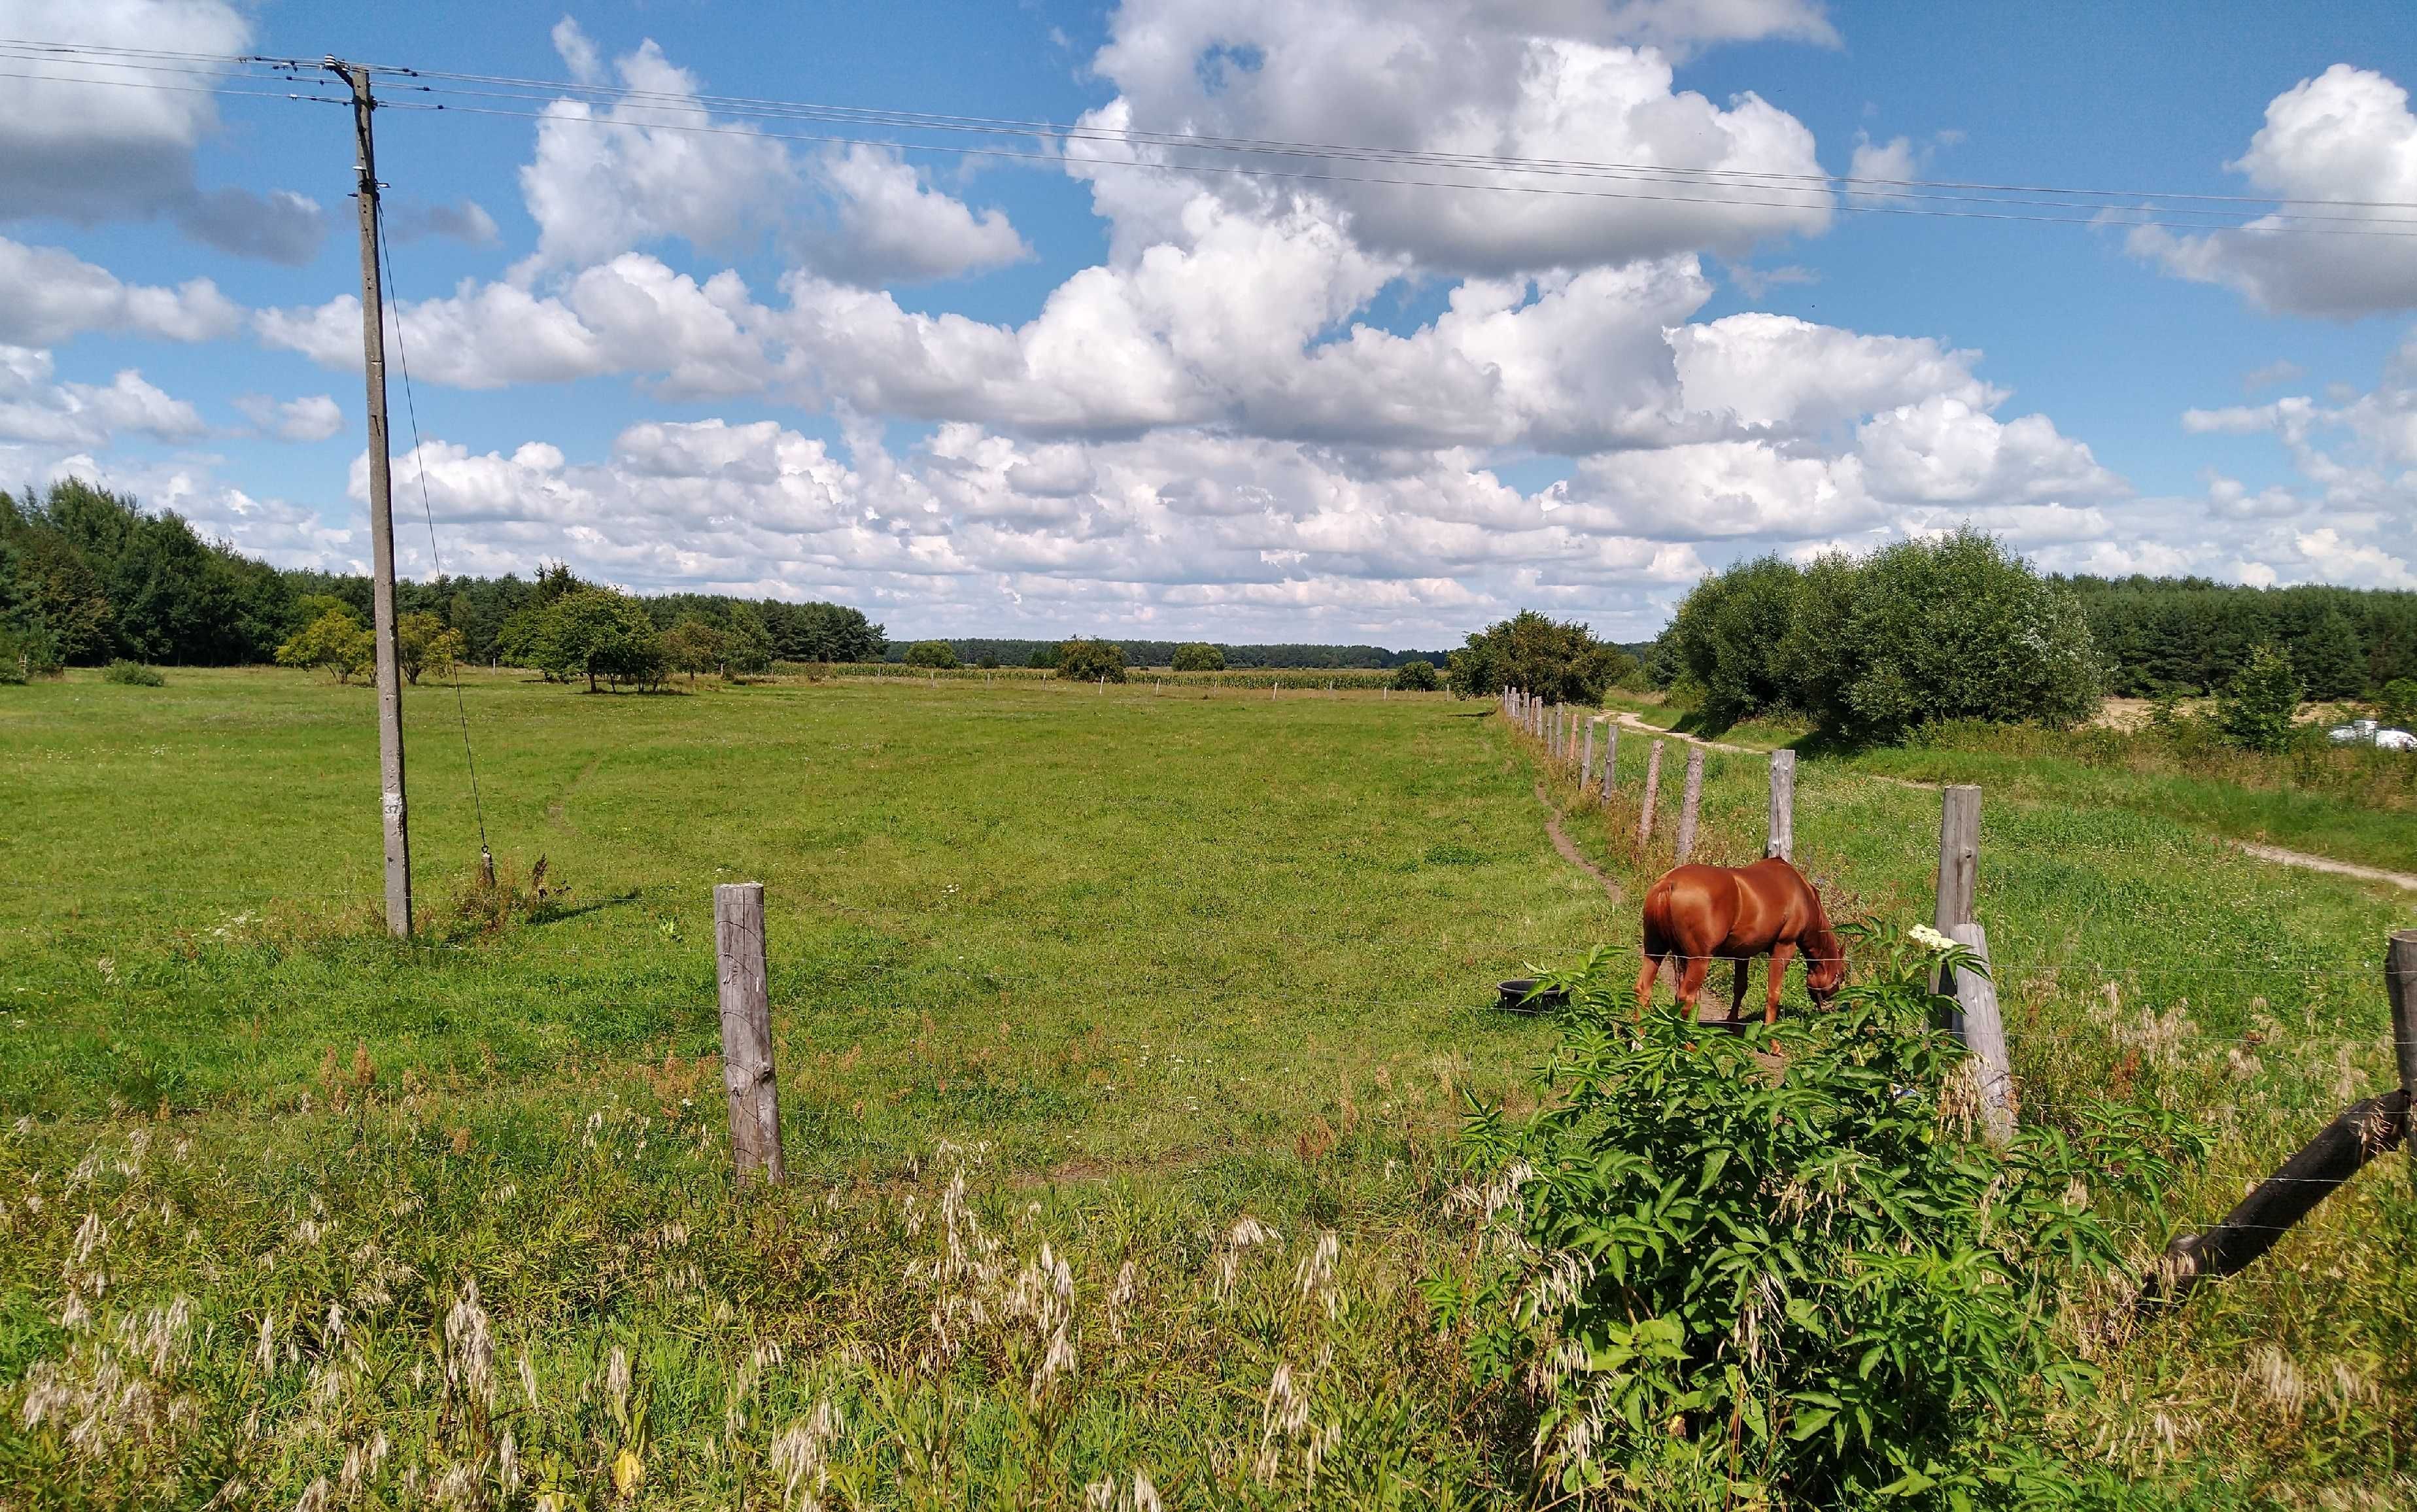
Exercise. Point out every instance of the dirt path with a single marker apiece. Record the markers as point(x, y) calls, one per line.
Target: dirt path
point(2274, 854)
point(2324, 864)
point(1570, 851)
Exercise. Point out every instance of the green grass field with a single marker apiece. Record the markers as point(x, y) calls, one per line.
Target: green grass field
point(1137, 968)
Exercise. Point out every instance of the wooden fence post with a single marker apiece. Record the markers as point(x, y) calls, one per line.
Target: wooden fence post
point(1653, 791)
point(1959, 855)
point(747, 1033)
point(1610, 755)
point(1984, 1035)
point(2400, 983)
point(1586, 762)
point(1959, 860)
point(1783, 806)
point(1691, 803)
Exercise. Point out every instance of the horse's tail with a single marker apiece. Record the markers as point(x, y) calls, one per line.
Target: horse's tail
point(1657, 938)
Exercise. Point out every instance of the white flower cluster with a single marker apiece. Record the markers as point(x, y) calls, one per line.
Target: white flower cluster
point(1930, 940)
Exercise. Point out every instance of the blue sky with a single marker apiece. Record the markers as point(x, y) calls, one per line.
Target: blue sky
point(1076, 391)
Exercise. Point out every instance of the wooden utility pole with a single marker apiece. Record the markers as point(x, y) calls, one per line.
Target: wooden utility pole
point(390, 673)
point(747, 1033)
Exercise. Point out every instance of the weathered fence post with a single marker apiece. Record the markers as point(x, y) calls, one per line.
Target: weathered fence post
point(1653, 791)
point(747, 1033)
point(1959, 855)
point(1691, 803)
point(1984, 1035)
point(1610, 755)
point(1783, 806)
point(1959, 859)
point(1586, 762)
point(2400, 983)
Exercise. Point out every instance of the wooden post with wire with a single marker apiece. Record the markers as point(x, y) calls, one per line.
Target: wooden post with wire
point(1652, 793)
point(1586, 763)
point(2400, 984)
point(1610, 756)
point(1984, 1035)
point(1781, 842)
point(747, 1033)
point(394, 809)
point(1691, 803)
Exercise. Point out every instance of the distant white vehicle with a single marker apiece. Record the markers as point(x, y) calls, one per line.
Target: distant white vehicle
point(2369, 732)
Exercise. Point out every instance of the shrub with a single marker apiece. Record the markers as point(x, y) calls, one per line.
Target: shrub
point(932, 653)
point(334, 642)
point(1416, 676)
point(989, 662)
point(1088, 661)
point(597, 633)
point(1959, 627)
point(1823, 1281)
point(133, 674)
point(1548, 657)
point(1199, 656)
point(2255, 710)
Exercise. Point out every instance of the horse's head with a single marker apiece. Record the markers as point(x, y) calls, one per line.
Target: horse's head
point(1825, 964)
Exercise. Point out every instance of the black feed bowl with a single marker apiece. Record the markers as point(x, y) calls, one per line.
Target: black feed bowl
point(1514, 997)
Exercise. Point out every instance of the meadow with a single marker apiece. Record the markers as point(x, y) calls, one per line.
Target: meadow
point(1122, 1036)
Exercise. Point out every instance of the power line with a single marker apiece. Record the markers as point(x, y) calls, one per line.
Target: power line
point(1812, 192)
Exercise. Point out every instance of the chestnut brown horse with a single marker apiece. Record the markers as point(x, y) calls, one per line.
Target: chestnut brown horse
point(1694, 915)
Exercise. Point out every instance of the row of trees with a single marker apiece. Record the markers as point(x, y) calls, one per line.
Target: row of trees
point(2189, 635)
point(87, 576)
point(1183, 656)
point(1957, 627)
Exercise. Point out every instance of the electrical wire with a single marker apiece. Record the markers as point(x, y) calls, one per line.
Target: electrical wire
point(428, 513)
point(1803, 193)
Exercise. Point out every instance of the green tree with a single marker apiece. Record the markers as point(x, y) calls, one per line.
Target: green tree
point(423, 643)
point(1551, 658)
point(932, 653)
point(1958, 627)
point(1042, 656)
point(599, 632)
point(692, 647)
point(1089, 661)
point(1727, 635)
point(1416, 676)
point(746, 644)
point(334, 642)
point(2255, 710)
point(1199, 656)
point(2397, 703)
point(2329, 658)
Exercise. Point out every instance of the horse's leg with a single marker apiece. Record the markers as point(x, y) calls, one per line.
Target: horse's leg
point(1691, 972)
point(1737, 998)
point(1645, 983)
point(1780, 955)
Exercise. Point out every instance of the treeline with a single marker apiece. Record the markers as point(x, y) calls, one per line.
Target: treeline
point(87, 576)
point(2190, 636)
point(978, 651)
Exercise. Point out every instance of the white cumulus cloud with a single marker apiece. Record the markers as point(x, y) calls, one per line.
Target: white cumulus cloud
point(2346, 140)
